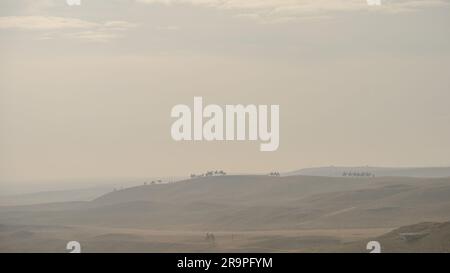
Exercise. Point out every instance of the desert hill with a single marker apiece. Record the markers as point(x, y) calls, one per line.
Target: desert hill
point(254, 203)
point(333, 171)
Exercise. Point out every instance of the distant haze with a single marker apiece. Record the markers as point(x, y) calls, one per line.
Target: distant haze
point(86, 92)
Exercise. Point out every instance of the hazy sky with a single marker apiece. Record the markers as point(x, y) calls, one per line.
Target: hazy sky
point(86, 91)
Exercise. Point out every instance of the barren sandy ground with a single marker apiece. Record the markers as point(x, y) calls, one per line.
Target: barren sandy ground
point(97, 239)
point(244, 214)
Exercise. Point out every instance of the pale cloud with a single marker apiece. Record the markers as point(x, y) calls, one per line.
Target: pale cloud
point(91, 35)
point(119, 25)
point(71, 28)
point(292, 9)
point(43, 23)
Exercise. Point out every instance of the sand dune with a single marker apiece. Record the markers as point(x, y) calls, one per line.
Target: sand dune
point(236, 204)
point(254, 202)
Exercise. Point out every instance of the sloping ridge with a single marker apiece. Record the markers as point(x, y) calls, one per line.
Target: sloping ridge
point(256, 203)
point(333, 171)
point(425, 237)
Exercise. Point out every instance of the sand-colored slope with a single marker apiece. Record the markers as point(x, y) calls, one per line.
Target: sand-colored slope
point(254, 203)
point(417, 238)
